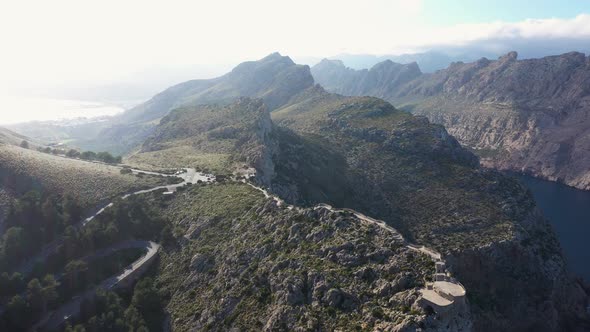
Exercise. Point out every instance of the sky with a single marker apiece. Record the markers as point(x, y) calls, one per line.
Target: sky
point(82, 44)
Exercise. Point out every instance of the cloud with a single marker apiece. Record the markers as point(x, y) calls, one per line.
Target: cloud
point(577, 28)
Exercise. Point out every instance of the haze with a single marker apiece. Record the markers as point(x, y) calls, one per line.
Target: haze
point(124, 52)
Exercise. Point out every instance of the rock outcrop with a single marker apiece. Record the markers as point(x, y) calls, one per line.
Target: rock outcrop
point(299, 269)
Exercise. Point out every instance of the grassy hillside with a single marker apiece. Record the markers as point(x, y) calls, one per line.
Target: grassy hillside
point(12, 138)
point(91, 183)
point(209, 137)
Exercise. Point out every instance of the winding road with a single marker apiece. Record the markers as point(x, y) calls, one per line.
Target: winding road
point(444, 291)
point(188, 176)
point(57, 317)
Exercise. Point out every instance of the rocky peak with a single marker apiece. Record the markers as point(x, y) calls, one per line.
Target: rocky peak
point(510, 56)
point(330, 63)
point(277, 57)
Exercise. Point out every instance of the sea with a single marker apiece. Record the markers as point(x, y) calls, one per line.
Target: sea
point(16, 109)
point(568, 211)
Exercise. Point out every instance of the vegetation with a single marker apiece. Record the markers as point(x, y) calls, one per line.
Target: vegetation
point(208, 137)
point(22, 170)
point(33, 220)
point(111, 312)
point(127, 219)
point(264, 259)
point(398, 168)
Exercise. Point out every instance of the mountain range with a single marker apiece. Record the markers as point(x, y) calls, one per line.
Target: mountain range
point(523, 115)
point(288, 237)
point(314, 147)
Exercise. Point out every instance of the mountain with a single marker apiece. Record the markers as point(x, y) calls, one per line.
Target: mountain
point(429, 61)
point(274, 79)
point(216, 138)
point(362, 153)
point(522, 115)
point(328, 212)
point(414, 175)
point(266, 79)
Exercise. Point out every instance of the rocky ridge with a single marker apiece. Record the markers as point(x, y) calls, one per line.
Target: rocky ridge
point(279, 267)
point(523, 115)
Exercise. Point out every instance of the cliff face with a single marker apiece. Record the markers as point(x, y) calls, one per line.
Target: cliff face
point(526, 285)
point(528, 115)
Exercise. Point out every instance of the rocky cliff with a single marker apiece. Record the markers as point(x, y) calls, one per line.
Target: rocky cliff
point(523, 115)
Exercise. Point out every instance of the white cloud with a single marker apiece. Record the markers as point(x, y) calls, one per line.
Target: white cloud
point(575, 28)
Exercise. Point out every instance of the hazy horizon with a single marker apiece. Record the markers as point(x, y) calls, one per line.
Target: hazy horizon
point(113, 52)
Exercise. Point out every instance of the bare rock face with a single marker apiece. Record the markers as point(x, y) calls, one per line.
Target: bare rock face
point(529, 115)
point(522, 115)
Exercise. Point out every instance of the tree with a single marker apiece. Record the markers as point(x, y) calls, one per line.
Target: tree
point(24, 144)
point(105, 157)
point(73, 153)
point(146, 298)
point(17, 312)
point(50, 294)
point(75, 274)
point(50, 217)
point(88, 155)
point(72, 210)
point(35, 297)
point(14, 243)
point(133, 319)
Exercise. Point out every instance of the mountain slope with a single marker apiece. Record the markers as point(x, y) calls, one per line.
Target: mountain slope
point(529, 115)
point(12, 138)
point(212, 137)
point(247, 264)
point(415, 176)
point(90, 183)
point(274, 79)
point(362, 153)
